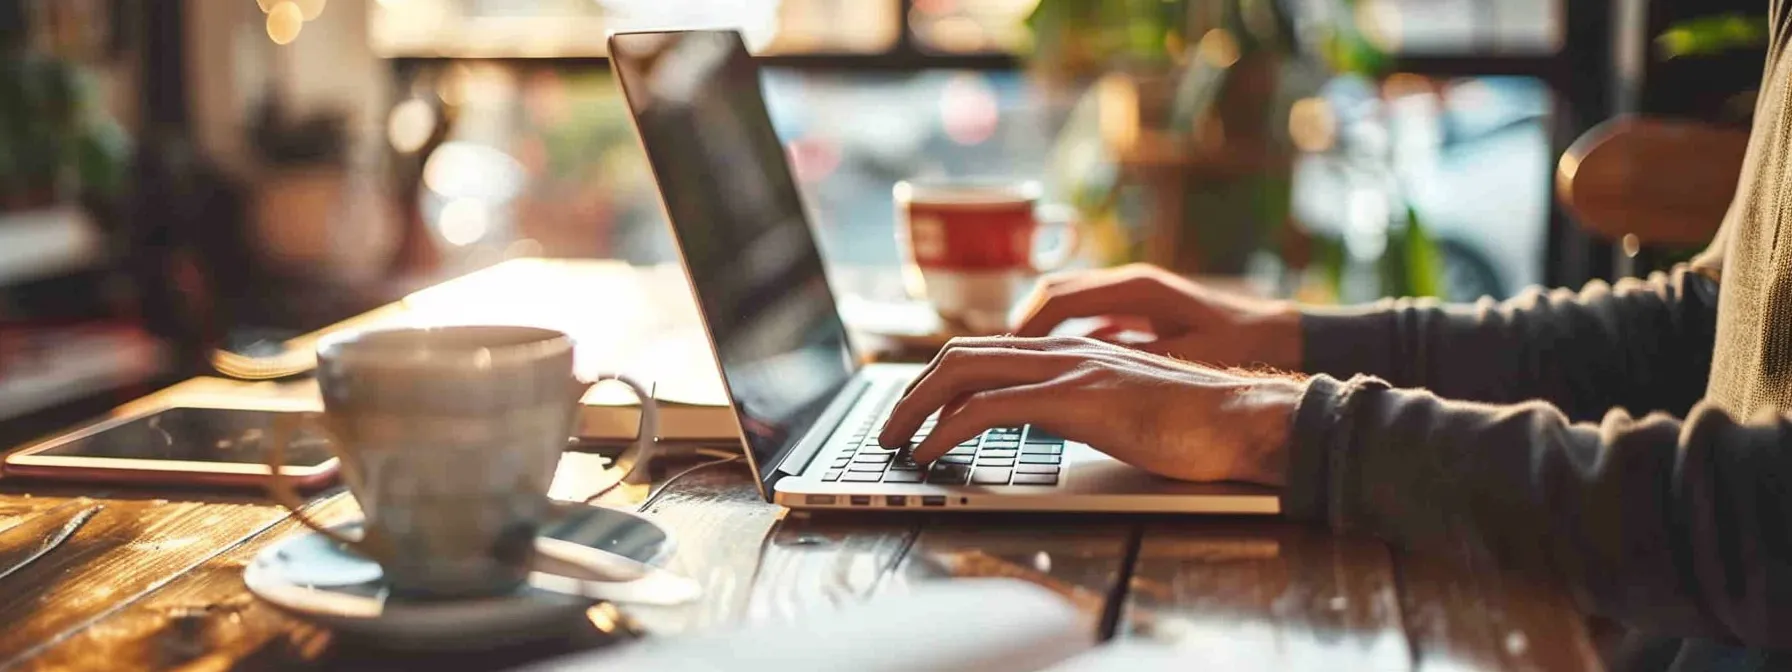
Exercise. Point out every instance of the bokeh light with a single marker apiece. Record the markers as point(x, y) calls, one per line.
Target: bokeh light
point(463, 221)
point(1312, 126)
point(410, 125)
point(1380, 23)
point(1219, 48)
point(968, 109)
point(285, 21)
point(1118, 100)
point(310, 9)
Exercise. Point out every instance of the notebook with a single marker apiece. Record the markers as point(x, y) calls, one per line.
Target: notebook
point(640, 321)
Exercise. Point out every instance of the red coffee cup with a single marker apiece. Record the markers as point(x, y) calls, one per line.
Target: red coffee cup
point(973, 246)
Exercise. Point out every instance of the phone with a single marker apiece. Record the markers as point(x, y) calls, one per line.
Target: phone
point(178, 446)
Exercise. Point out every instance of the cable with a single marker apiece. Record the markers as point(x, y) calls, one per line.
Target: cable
point(655, 495)
point(657, 492)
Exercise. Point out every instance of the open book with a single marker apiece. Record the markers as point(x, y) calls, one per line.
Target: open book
point(639, 321)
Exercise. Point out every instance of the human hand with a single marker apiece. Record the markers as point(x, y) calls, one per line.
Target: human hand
point(1168, 417)
point(1182, 319)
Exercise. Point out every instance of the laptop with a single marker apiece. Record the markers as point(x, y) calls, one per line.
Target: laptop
point(808, 409)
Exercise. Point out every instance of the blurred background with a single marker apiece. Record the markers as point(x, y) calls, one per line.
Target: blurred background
point(180, 176)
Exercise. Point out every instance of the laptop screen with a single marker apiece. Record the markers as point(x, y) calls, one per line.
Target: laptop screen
point(741, 227)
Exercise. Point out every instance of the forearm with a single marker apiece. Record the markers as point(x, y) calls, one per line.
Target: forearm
point(1643, 345)
point(1672, 527)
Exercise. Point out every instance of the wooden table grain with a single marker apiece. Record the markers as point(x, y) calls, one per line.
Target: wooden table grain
point(155, 582)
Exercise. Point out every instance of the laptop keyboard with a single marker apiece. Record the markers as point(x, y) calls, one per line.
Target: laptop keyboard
point(1024, 455)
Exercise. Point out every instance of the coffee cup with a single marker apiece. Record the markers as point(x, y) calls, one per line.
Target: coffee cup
point(973, 246)
point(449, 438)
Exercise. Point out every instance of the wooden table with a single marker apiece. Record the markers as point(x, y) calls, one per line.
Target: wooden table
point(154, 581)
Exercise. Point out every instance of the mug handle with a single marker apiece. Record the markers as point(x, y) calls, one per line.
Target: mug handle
point(1058, 217)
point(627, 466)
point(281, 433)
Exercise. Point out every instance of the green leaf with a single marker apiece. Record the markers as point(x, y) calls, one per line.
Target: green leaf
point(1330, 257)
point(1424, 268)
point(1710, 35)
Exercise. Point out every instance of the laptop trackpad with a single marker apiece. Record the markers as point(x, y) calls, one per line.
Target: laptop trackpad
point(1091, 472)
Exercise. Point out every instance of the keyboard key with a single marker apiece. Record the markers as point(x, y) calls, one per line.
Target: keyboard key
point(1041, 459)
point(1037, 435)
point(949, 458)
point(873, 458)
point(962, 451)
point(873, 468)
point(1035, 479)
point(1042, 449)
point(1001, 443)
point(877, 450)
point(904, 477)
point(841, 463)
point(861, 477)
point(949, 474)
point(996, 453)
point(995, 461)
point(991, 475)
point(969, 443)
point(1025, 468)
point(831, 476)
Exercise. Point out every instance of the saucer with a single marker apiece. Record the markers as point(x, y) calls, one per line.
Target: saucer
point(908, 325)
point(312, 578)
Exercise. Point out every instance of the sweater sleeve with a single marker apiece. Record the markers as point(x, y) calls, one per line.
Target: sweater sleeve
point(1641, 345)
point(1675, 527)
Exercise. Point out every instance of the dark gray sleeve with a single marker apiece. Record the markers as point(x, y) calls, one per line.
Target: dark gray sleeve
point(1642, 345)
point(1677, 528)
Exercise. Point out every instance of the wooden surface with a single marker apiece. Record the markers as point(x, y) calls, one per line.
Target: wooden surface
point(154, 582)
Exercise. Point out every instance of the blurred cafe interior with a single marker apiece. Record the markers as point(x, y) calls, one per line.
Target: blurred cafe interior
point(200, 175)
point(195, 189)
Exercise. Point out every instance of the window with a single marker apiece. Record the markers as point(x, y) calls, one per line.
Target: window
point(575, 28)
point(862, 104)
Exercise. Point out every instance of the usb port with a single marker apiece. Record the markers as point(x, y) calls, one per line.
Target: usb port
point(819, 500)
point(861, 500)
point(933, 500)
point(896, 500)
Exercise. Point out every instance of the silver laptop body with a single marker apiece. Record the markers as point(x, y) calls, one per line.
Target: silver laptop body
point(808, 410)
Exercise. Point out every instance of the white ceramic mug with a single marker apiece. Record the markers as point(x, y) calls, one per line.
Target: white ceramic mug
point(449, 438)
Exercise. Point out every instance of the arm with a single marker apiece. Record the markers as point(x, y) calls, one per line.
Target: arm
point(1675, 527)
point(1641, 345)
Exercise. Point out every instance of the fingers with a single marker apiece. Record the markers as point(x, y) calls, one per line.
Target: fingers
point(1005, 407)
point(1008, 342)
point(960, 371)
point(1126, 292)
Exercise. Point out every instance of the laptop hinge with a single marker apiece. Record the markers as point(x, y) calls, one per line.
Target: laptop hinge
point(820, 431)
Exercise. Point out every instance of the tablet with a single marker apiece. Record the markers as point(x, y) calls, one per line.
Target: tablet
point(177, 446)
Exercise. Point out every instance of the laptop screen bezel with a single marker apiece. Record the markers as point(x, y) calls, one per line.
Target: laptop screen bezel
point(765, 474)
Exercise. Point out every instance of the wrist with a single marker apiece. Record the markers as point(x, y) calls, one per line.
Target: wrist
point(1267, 407)
point(1279, 336)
